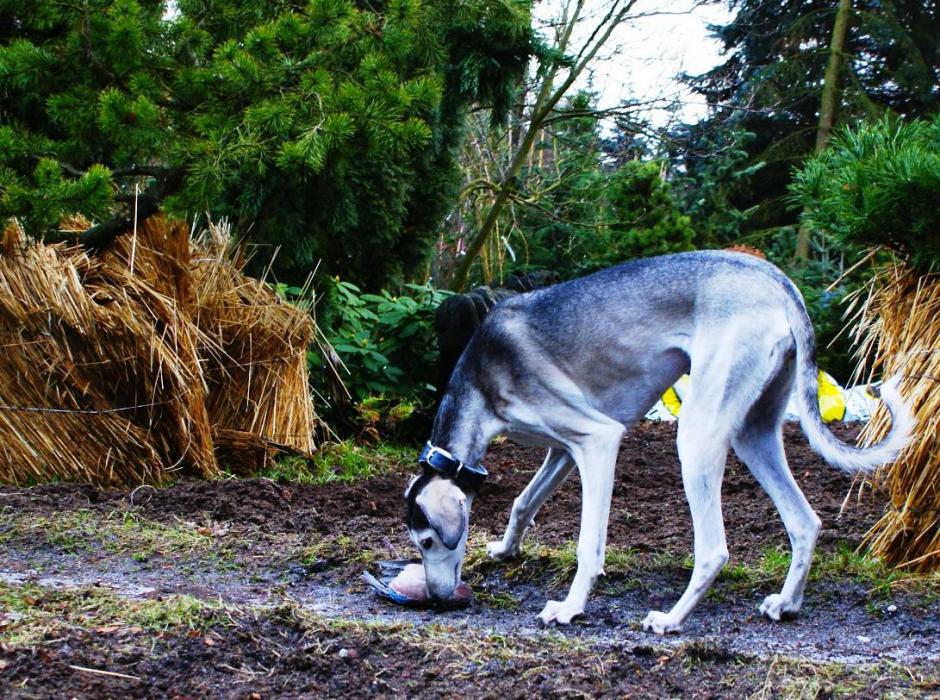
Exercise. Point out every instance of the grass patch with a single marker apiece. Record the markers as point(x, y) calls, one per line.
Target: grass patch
point(31, 613)
point(338, 549)
point(344, 462)
point(790, 678)
point(536, 561)
point(844, 563)
point(496, 600)
point(176, 611)
point(120, 533)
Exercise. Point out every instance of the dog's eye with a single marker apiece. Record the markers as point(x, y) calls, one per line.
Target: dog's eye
point(427, 543)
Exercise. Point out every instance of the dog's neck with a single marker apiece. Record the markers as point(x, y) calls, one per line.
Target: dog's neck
point(463, 426)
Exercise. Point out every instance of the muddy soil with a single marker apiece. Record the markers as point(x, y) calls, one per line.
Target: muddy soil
point(262, 547)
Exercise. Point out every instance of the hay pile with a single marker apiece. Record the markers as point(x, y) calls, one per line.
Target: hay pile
point(900, 328)
point(255, 348)
point(153, 359)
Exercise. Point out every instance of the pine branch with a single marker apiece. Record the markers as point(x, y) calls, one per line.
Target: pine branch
point(147, 204)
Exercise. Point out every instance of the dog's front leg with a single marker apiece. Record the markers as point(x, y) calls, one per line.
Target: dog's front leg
point(595, 460)
point(555, 469)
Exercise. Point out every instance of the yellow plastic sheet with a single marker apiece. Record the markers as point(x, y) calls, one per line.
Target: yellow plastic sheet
point(831, 397)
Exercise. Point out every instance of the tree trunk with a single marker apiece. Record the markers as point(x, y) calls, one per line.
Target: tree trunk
point(548, 97)
point(829, 102)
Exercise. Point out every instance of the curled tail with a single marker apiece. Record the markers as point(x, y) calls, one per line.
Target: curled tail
point(848, 458)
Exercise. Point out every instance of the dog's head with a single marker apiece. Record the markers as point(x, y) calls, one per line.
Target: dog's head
point(438, 519)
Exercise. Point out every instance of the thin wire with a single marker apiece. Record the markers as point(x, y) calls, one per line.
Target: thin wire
point(82, 411)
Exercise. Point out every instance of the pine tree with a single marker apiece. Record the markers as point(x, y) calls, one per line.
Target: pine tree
point(327, 129)
point(878, 185)
point(770, 85)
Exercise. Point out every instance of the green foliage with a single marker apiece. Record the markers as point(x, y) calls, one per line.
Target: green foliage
point(827, 263)
point(327, 128)
point(490, 41)
point(386, 414)
point(771, 81)
point(344, 462)
point(644, 217)
point(586, 214)
point(565, 189)
point(42, 197)
point(386, 341)
point(878, 184)
point(707, 188)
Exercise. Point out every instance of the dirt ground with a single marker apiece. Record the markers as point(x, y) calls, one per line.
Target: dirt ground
point(252, 589)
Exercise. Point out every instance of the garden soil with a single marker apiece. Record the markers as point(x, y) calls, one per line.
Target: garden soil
point(284, 561)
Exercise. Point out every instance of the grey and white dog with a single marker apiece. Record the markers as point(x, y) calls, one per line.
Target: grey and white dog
point(572, 365)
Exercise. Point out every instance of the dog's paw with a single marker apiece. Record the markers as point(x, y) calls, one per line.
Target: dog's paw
point(500, 551)
point(561, 613)
point(776, 607)
point(660, 623)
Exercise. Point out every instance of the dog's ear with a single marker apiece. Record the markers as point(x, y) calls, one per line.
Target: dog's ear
point(411, 486)
point(445, 507)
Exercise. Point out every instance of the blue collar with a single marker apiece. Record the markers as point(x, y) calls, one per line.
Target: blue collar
point(444, 463)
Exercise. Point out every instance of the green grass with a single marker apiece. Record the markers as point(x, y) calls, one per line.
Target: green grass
point(341, 549)
point(535, 561)
point(844, 563)
point(344, 462)
point(496, 600)
point(176, 611)
point(31, 613)
point(119, 532)
point(538, 562)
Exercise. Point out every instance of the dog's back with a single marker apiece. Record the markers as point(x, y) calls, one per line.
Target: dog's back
point(629, 328)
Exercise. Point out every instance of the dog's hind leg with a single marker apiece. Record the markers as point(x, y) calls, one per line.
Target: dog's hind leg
point(703, 451)
point(730, 368)
point(595, 452)
point(555, 469)
point(759, 444)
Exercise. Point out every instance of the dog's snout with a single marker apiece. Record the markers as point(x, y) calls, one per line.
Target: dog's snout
point(440, 593)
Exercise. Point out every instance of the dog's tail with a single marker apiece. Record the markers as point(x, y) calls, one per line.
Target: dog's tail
point(837, 453)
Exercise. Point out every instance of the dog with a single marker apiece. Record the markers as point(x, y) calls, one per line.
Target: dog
point(571, 366)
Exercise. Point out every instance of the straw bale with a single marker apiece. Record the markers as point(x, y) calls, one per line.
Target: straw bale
point(248, 453)
point(64, 413)
point(149, 272)
point(12, 238)
point(255, 346)
point(899, 328)
point(129, 366)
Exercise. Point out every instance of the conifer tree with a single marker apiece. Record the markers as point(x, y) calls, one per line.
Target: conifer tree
point(770, 84)
point(326, 128)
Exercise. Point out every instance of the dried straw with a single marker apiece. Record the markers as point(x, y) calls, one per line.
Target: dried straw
point(255, 346)
point(108, 377)
point(899, 326)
